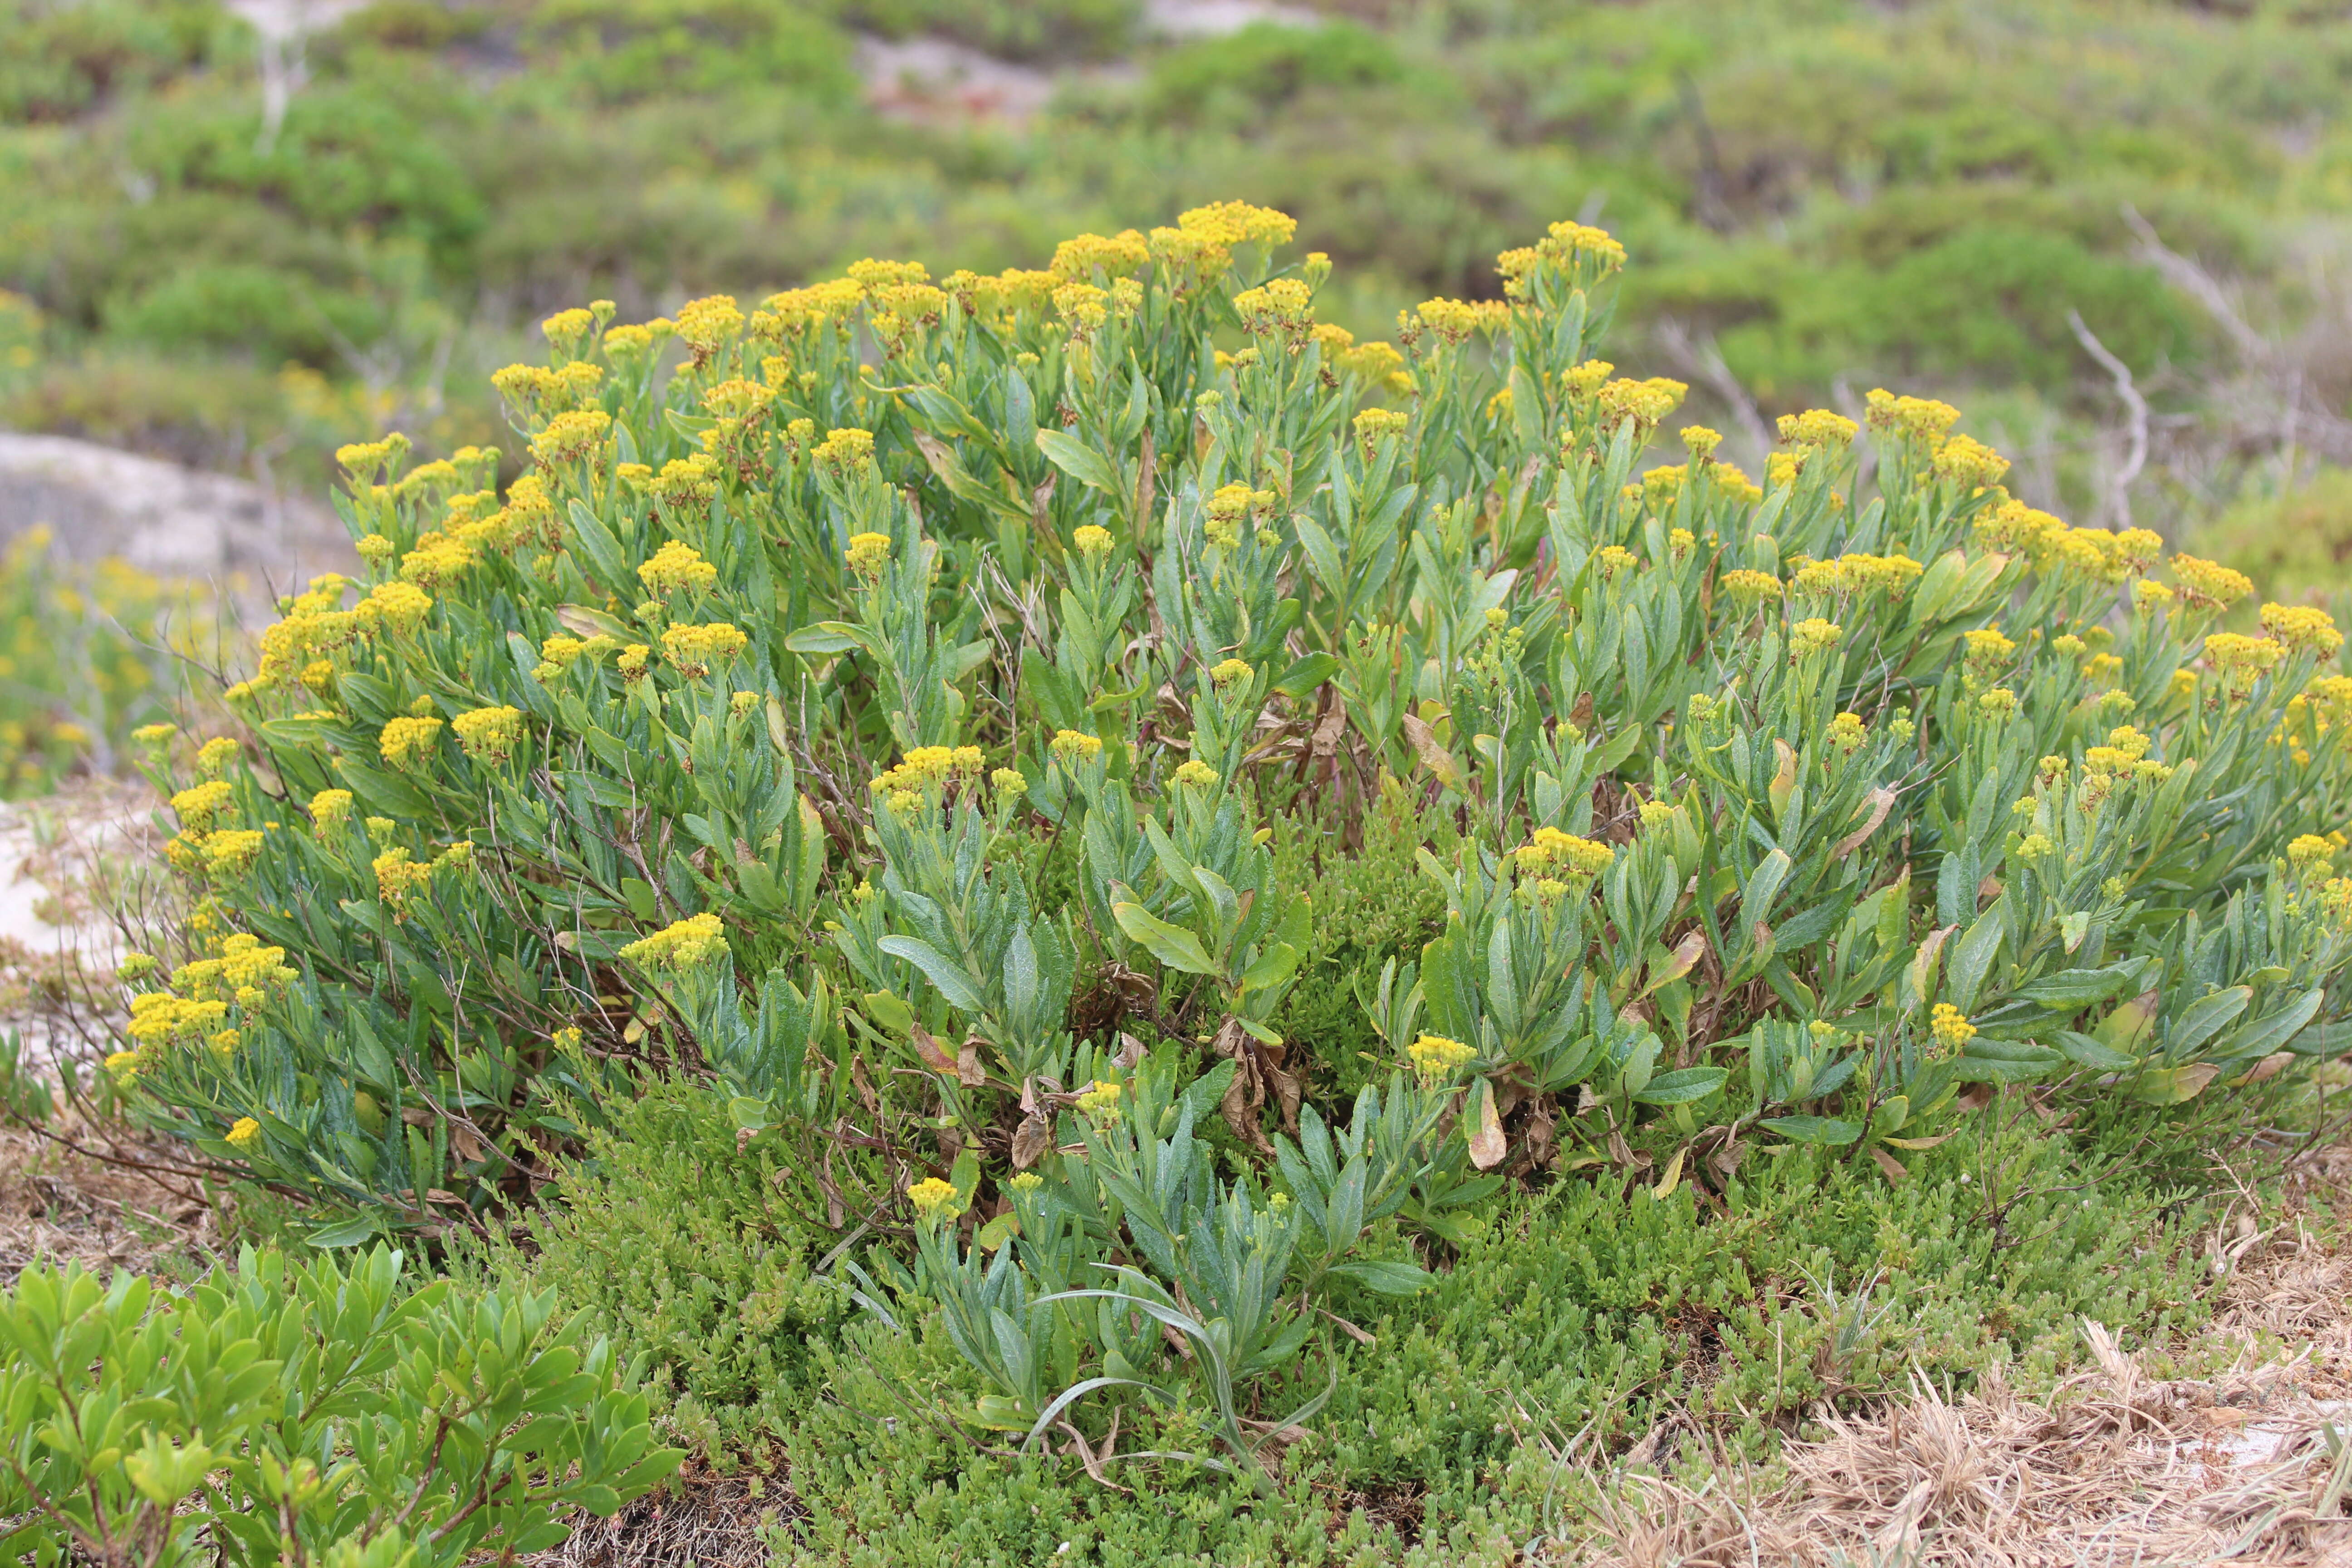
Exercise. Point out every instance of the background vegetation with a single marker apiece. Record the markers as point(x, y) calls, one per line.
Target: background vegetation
point(1797, 177)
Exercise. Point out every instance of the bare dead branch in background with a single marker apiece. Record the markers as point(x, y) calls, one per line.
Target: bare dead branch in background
point(2136, 408)
point(1703, 362)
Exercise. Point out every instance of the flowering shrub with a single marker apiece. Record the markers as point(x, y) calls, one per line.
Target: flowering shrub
point(890, 711)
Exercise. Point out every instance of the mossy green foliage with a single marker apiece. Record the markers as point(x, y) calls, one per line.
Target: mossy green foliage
point(1577, 1321)
point(695, 1253)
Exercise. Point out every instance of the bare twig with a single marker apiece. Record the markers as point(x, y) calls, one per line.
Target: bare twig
point(2136, 407)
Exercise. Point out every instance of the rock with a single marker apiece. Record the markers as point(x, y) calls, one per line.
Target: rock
point(174, 522)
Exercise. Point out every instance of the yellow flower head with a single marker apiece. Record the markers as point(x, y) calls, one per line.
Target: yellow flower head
point(1813, 636)
point(684, 944)
point(931, 1197)
point(1100, 1102)
point(846, 452)
point(1230, 673)
point(1818, 428)
point(1847, 731)
point(676, 567)
point(1921, 420)
point(489, 734)
point(1092, 541)
point(1436, 1059)
point(1552, 850)
point(1951, 1028)
point(2209, 586)
point(1070, 747)
point(2310, 851)
point(1970, 464)
point(694, 649)
point(2301, 626)
point(1194, 773)
point(244, 1132)
point(200, 804)
point(1748, 588)
point(408, 743)
point(214, 757)
point(2241, 660)
point(868, 553)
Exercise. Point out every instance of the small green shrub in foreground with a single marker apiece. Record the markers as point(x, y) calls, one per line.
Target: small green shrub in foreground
point(977, 726)
point(305, 1413)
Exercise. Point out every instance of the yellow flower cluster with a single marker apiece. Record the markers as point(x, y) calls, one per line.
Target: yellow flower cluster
point(1552, 850)
point(1070, 747)
point(1818, 428)
point(1857, 573)
point(2241, 660)
point(707, 326)
point(868, 553)
point(1453, 320)
point(536, 392)
point(1813, 634)
point(1921, 420)
point(1847, 732)
point(489, 734)
point(694, 649)
point(1092, 541)
point(1970, 464)
point(2311, 851)
point(1750, 587)
point(1100, 1102)
point(1951, 1028)
point(331, 807)
point(571, 437)
point(677, 568)
point(199, 805)
point(409, 743)
point(930, 1198)
point(1283, 306)
point(684, 944)
point(2208, 585)
point(1229, 507)
point(2301, 626)
point(846, 452)
point(924, 771)
point(1436, 1059)
point(1581, 253)
point(1642, 403)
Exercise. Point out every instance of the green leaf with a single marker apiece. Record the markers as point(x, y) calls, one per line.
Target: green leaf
point(1822, 1130)
point(2085, 1051)
point(1309, 671)
point(1386, 1279)
point(1081, 462)
point(1682, 1086)
point(826, 637)
point(2202, 1018)
point(952, 982)
point(1172, 945)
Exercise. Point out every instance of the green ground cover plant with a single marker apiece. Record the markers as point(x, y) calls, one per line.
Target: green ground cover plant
point(1071, 872)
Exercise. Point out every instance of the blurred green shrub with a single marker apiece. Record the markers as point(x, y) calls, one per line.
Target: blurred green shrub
point(2297, 544)
point(88, 653)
